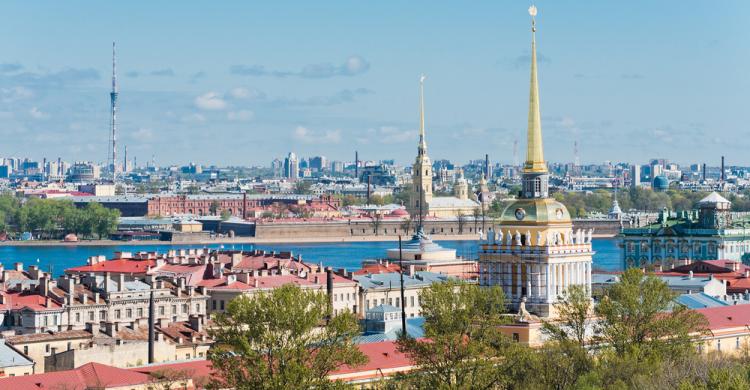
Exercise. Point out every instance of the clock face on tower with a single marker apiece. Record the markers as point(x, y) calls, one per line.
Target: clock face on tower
point(520, 214)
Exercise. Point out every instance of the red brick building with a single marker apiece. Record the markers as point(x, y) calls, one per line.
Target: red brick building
point(238, 205)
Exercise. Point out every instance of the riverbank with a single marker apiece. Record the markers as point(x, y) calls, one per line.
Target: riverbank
point(245, 240)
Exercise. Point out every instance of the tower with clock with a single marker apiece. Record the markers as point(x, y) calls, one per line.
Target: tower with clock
point(534, 254)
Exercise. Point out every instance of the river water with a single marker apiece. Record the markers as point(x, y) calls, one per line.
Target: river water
point(347, 255)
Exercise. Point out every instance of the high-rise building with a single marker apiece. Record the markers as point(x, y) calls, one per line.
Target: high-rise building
point(535, 256)
point(277, 167)
point(291, 167)
point(318, 163)
point(635, 175)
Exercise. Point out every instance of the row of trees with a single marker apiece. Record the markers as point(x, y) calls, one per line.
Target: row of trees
point(641, 341)
point(642, 199)
point(50, 218)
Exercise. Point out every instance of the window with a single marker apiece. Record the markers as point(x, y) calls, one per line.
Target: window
point(140, 312)
point(397, 302)
point(45, 320)
point(187, 356)
point(213, 305)
point(382, 301)
point(91, 316)
point(390, 301)
point(334, 297)
point(222, 305)
point(129, 313)
point(184, 308)
point(367, 304)
point(161, 310)
point(197, 307)
point(411, 301)
point(718, 345)
point(25, 349)
point(102, 315)
point(78, 317)
point(174, 309)
point(46, 347)
point(737, 343)
point(516, 337)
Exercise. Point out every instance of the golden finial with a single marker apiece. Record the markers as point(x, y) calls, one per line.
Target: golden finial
point(533, 12)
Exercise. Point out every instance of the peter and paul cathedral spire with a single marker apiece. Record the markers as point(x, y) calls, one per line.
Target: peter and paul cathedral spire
point(422, 169)
point(422, 149)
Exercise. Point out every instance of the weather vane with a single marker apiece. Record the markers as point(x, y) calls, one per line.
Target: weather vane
point(533, 12)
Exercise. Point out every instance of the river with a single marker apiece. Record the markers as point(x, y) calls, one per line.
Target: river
point(347, 255)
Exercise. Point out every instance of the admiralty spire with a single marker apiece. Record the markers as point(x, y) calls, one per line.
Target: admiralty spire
point(535, 255)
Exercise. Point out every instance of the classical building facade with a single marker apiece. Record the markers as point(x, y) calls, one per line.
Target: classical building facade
point(535, 255)
point(711, 232)
point(422, 201)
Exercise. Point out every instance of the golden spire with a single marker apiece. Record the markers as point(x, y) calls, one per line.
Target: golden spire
point(422, 141)
point(534, 149)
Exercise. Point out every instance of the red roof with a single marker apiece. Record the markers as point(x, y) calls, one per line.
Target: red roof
point(273, 281)
point(377, 269)
point(726, 316)
point(90, 375)
point(127, 266)
point(384, 357)
point(32, 301)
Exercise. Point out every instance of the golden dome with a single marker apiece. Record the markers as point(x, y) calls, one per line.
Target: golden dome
point(541, 211)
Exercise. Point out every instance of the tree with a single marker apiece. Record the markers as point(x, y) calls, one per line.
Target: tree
point(564, 359)
point(213, 209)
point(461, 220)
point(376, 220)
point(636, 319)
point(302, 187)
point(573, 314)
point(103, 221)
point(168, 378)
point(463, 348)
point(283, 339)
point(406, 224)
point(225, 215)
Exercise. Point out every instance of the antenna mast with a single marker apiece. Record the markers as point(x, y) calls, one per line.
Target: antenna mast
point(113, 117)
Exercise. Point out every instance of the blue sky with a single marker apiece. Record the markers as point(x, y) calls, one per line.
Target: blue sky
point(243, 82)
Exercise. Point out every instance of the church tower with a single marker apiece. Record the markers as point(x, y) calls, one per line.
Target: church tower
point(535, 255)
point(461, 187)
point(422, 168)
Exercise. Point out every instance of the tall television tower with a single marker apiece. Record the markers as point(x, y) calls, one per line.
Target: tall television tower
point(113, 118)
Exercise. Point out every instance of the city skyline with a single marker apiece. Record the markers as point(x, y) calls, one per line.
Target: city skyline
point(218, 94)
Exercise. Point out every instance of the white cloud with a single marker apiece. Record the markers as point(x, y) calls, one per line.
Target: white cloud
point(9, 95)
point(193, 118)
point(240, 116)
point(210, 101)
point(37, 113)
point(388, 135)
point(245, 93)
point(305, 135)
point(143, 134)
